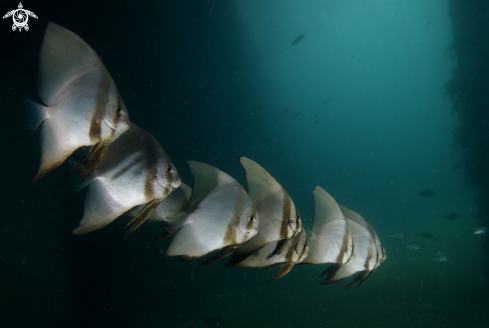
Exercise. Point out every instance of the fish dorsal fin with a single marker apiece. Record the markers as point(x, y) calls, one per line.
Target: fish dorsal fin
point(206, 179)
point(325, 209)
point(258, 181)
point(63, 56)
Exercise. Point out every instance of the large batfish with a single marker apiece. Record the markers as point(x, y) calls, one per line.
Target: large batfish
point(220, 216)
point(279, 219)
point(135, 171)
point(296, 251)
point(330, 240)
point(83, 108)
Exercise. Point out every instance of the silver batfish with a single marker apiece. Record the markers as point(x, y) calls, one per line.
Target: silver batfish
point(279, 219)
point(135, 171)
point(83, 108)
point(369, 251)
point(220, 216)
point(330, 240)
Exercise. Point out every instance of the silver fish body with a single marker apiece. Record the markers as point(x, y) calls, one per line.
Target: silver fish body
point(279, 219)
point(480, 230)
point(84, 107)
point(135, 171)
point(399, 235)
point(442, 258)
point(220, 216)
point(330, 240)
point(414, 246)
point(364, 260)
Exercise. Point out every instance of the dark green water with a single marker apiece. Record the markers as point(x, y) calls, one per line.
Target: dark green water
point(357, 107)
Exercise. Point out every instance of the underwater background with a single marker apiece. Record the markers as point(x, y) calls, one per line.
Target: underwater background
point(379, 101)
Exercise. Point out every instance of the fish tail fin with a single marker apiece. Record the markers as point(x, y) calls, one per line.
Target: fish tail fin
point(36, 113)
point(100, 209)
point(53, 154)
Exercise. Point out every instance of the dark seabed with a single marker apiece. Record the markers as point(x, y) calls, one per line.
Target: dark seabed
point(376, 104)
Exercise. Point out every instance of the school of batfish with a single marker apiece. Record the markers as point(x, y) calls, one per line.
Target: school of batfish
point(127, 172)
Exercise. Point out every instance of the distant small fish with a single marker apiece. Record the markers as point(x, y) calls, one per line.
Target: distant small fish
point(315, 122)
point(427, 193)
point(452, 216)
point(399, 235)
point(298, 39)
point(442, 258)
point(479, 231)
point(426, 235)
point(326, 101)
point(414, 246)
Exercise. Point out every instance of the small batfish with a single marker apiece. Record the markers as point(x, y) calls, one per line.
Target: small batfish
point(220, 216)
point(295, 251)
point(83, 108)
point(170, 207)
point(279, 219)
point(298, 39)
point(364, 260)
point(399, 235)
point(427, 193)
point(442, 258)
point(414, 246)
point(479, 231)
point(330, 240)
point(135, 171)
point(452, 216)
point(426, 235)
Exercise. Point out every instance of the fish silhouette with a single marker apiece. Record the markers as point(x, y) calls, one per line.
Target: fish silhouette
point(427, 193)
point(298, 39)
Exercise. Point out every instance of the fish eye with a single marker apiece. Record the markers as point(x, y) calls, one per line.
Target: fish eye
point(169, 169)
point(251, 218)
point(119, 110)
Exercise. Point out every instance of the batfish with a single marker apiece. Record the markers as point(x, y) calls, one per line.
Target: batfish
point(365, 258)
point(83, 108)
point(279, 219)
point(220, 216)
point(135, 171)
point(330, 240)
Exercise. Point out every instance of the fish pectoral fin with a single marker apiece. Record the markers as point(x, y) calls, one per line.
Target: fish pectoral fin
point(278, 249)
point(285, 268)
point(95, 156)
point(142, 216)
point(223, 252)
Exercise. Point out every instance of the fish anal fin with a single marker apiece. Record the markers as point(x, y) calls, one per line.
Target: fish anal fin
point(95, 156)
point(360, 278)
point(331, 270)
point(223, 252)
point(142, 216)
point(279, 248)
point(53, 154)
point(285, 268)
